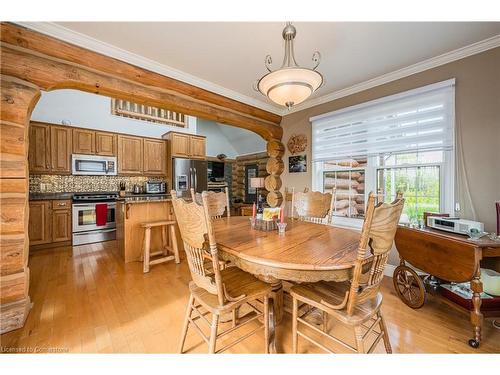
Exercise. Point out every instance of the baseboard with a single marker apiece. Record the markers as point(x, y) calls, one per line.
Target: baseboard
point(389, 269)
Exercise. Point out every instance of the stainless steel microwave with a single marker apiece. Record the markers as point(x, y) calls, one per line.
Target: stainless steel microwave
point(93, 165)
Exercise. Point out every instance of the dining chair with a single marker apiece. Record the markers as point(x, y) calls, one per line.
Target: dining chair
point(218, 202)
point(213, 291)
point(355, 303)
point(314, 206)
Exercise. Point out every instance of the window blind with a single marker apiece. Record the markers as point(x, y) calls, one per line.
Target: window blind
point(416, 120)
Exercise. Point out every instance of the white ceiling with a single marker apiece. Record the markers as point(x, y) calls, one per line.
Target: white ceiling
point(228, 57)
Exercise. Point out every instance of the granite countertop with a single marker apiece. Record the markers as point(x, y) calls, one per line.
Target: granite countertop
point(129, 197)
point(48, 196)
point(144, 198)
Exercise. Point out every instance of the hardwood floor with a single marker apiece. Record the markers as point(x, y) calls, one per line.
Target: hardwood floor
point(90, 301)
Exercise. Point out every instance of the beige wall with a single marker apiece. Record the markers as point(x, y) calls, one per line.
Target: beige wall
point(477, 97)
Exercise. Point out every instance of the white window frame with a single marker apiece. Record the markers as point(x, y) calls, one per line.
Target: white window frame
point(447, 166)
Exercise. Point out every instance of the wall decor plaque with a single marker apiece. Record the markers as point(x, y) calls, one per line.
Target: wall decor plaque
point(297, 143)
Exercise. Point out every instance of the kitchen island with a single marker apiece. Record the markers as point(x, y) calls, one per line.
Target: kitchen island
point(131, 213)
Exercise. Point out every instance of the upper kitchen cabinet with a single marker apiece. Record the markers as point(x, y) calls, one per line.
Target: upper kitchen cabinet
point(130, 155)
point(197, 147)
point(105, 144)
point(155, 157)
point(179, 145)
point(39, 148)
point(60, 149)
point(83, 141)
point(49, 149)
point(186, 145)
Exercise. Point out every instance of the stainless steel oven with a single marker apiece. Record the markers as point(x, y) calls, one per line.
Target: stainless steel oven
point(93, 165)
point(85, 228)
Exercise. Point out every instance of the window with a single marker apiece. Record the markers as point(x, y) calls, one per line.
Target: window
point(401, 143)
point(143, 112)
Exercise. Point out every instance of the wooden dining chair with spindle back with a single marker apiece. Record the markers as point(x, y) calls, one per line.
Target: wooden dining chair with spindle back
point(314, 206)
point(214, 291)
point(355, 303)
point(218, 202)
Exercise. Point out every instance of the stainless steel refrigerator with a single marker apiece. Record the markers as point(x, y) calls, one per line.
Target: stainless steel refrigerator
point(187, 174)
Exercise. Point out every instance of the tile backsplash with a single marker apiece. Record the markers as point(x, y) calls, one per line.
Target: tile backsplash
point(70, 184)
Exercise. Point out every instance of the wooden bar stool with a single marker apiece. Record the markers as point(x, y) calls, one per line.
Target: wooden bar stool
point(169, 243)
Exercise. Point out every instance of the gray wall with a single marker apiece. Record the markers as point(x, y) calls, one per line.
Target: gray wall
point(477, 102)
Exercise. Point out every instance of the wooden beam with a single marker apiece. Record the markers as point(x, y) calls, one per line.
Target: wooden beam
point(78, 68)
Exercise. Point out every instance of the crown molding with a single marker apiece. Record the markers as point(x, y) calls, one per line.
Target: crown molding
point(73, 37)
point(433, 62)
point(85, 41)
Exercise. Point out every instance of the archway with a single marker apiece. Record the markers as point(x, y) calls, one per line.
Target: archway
point(31, 63)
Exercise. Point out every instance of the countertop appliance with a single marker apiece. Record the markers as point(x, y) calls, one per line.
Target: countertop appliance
point(93, 165)
point(187, 174)
point(453, 224)
point(155, 187)
point(85, 229)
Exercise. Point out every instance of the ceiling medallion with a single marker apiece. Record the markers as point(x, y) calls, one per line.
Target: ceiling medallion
point(290, 84)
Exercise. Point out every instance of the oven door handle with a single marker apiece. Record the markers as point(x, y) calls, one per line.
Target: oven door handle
point(94, 231)
point(92, 205)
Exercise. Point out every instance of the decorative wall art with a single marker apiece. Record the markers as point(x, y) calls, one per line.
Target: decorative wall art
point(297, 143)
point(297, 164)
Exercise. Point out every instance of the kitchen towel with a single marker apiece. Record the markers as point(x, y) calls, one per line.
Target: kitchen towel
point(101, 214)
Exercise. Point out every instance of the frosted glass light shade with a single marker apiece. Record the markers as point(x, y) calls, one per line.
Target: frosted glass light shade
point(290, 86)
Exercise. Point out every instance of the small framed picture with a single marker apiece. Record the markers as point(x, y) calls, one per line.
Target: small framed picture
point(297, 164)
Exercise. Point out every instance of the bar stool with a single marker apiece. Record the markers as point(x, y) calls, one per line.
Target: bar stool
point(168, 244)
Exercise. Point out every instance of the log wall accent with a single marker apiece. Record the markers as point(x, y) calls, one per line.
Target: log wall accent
point(260, 159)
point(275, 167)
point(30, 62)
point(17, 101)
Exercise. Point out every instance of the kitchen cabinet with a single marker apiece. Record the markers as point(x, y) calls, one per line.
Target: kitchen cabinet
point(105, 144)
point(197, 147)
point(83, 141)
point(39, 148)
point(155, 157)
point(61, 220)
point(189, 146)
point(60, 149)
point(180, 145)
point(130, 155)
point(40, 223)
point(49, 222)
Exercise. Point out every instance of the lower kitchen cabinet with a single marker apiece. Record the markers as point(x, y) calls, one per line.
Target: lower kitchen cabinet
point(61, 222)
point(49, 222)
point(40, 223)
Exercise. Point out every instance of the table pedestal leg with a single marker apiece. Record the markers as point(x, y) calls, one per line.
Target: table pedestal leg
point(275, 313)
point(476, 317)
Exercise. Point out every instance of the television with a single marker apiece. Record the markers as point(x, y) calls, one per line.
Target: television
point(215, 171)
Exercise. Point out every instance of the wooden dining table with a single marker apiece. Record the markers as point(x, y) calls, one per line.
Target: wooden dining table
point(306, 252)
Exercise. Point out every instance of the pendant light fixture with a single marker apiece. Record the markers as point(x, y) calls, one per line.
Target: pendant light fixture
point(290, 84)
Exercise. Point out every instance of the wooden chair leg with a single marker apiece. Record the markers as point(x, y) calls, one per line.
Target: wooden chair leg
point(164, 240)
point(235, 317)
point(173, 238)
point(147, 249)
point(266, 324)
point(213, 334)
point(185, 326)
point(360, 345)
point(383, 328)
point(295, 337)
point(325, 321)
